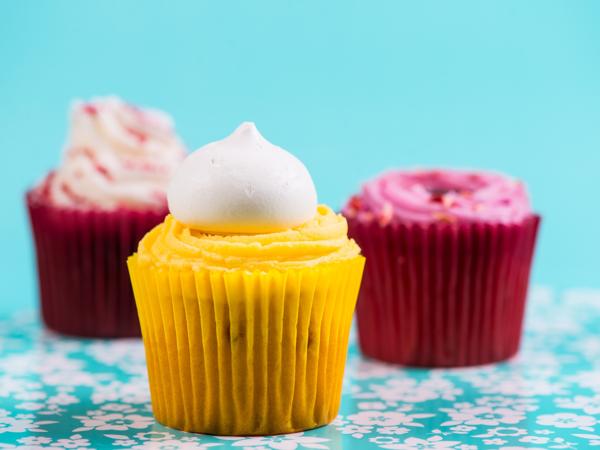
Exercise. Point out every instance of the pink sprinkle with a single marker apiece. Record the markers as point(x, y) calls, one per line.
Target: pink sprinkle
point(443, 217)
point(355, 203)
point(103, 171)
point(141, 137)
point(90, 109)
point(447, 201)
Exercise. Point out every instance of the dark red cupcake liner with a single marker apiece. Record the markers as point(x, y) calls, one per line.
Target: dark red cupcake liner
point(443, 295)
point(84, 284)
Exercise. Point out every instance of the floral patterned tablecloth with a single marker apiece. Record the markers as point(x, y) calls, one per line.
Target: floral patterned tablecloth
point(60, 393)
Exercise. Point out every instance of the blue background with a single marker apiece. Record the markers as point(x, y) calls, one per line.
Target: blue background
point(351, 87)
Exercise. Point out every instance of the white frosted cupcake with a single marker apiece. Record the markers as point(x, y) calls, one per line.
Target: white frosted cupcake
point(88, 214)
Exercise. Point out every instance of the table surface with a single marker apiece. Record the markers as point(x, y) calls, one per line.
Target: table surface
point(60, 393)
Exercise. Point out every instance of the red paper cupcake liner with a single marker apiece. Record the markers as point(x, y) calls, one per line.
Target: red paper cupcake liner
point(81, 256)
point(443, 295)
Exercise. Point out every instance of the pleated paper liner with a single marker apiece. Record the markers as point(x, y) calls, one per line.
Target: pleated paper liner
point(81, 257)
point(246, 353)
point(443, 295)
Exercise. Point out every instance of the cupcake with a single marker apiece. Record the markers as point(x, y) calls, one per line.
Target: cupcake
point(88, 215)
point(245, 294)
point(448, 260)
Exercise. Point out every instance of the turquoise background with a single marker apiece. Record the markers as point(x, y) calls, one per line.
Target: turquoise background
point(351, 87)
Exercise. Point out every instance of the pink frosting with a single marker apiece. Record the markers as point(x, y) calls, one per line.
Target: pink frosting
point(441, 195)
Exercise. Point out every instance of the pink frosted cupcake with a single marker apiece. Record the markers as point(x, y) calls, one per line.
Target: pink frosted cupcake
point(88, 215)
point(448, 261)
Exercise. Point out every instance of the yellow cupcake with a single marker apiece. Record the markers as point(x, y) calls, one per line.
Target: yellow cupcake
point(246, 333)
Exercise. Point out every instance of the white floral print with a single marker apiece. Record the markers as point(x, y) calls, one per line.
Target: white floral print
point(482, 415)
point(589, 405)
point(387, 418)
point(503, 431)
point(495, 441)
point(59, 393)
point(154, 436)
point(34, 440)
point(393, 430)
point(284, 442)
point(534, 439)
point(75, 441)
point(62, 398)
point(462, 429)
point(21, 425)
point(113, 421)
point(356, 431)
point(567, 420)
point(124, 443)
point(136, 390)
point(173, 444)
point(405, 389)
point(434, 442)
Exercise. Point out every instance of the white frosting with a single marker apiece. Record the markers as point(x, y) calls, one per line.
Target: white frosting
point(117, 155)
point(242, 184)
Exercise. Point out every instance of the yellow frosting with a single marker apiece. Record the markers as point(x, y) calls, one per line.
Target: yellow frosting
point(323, 239)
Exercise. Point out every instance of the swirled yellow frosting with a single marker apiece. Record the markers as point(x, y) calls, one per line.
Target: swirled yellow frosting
point(323, 239)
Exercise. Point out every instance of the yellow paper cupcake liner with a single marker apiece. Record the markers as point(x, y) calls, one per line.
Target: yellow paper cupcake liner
point(246, 353)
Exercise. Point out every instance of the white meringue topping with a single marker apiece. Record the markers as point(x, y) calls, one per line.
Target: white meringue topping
point(242, 184)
